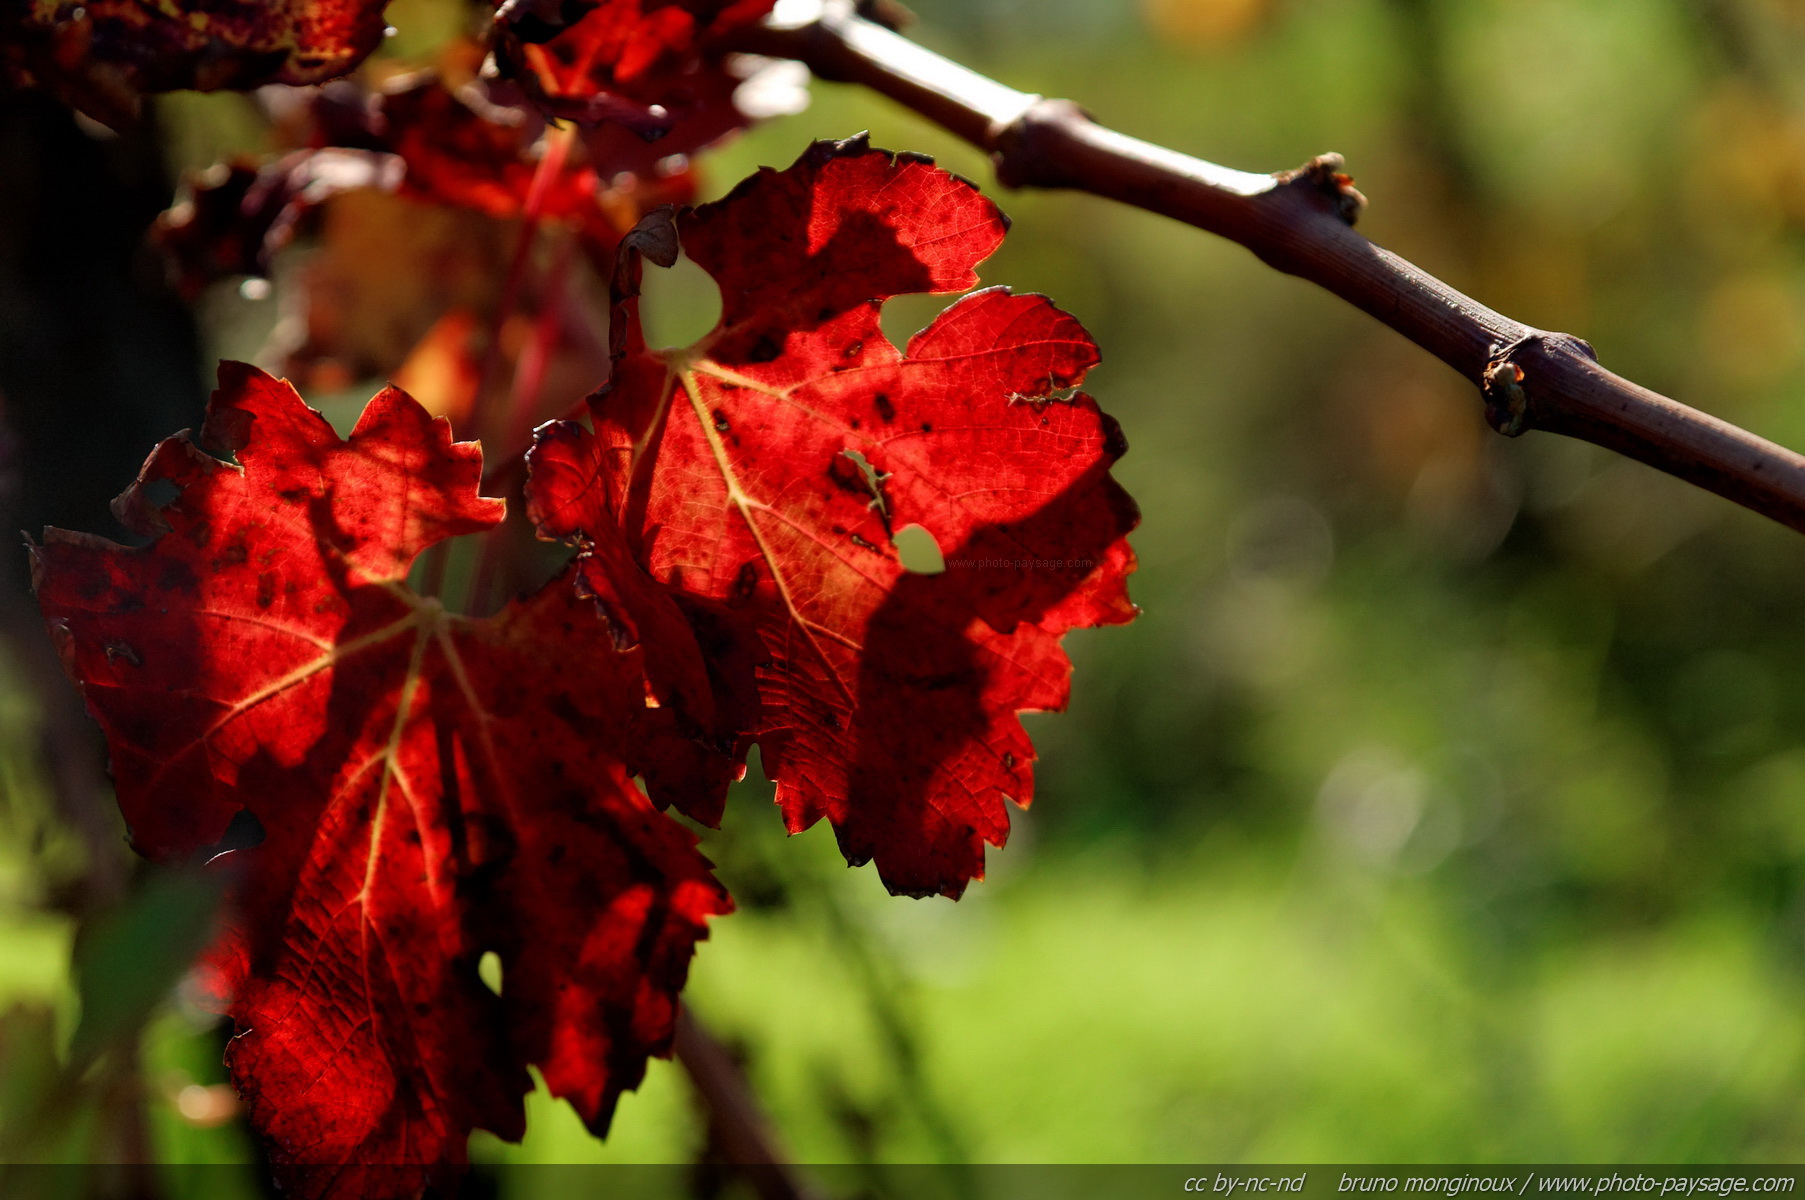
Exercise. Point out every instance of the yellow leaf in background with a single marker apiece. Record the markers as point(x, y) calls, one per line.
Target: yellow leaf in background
point(1205, 24)
point(445, 370)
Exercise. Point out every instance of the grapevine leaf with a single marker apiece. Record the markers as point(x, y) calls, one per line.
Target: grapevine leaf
point(416, 193)
point(700, 657)
point(430, 788)
point(233, 217)
point(434, 137)
point(486, 158)
point(642, 64)
point(764, 472)
point(100, 55)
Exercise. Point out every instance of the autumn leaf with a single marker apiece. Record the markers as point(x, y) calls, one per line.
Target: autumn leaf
point(232, 218)
point(488, 158)
point(430, 136)
point(766, 471)
point(647, 65)
point(100, 55)
point(383, 271)
point(419, 201)
point(700, 657)
point(430, 788)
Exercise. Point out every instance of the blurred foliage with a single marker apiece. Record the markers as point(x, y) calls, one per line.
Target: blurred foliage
point(1448, 800)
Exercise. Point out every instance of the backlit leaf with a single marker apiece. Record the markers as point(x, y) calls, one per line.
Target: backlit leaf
point(100, 55)
point(649, 65)
point(430, 787)
point(761, 474)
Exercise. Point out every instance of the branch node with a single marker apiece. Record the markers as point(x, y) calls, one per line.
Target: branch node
point(1025, 150)
point(1507, 401)
point(889, 14)
point(1323, 174)
point(1528, 376)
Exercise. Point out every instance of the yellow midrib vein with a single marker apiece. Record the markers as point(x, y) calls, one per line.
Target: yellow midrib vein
point(746, 504)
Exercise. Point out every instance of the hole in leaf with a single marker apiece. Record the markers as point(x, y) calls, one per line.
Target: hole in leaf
point(905, 316)
point(678, 306)
point(533, 564)
point(874, 482)
point(243, 832)
point(919, 552)
point(488, 969)
point(159, 491)
point(1052, 395)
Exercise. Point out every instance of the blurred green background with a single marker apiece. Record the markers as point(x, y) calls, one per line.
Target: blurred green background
point(1447, 802)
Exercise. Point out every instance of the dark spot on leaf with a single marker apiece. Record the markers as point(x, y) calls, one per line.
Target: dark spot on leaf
point(266, 589)
point(939, 683)
point(885, 409)
point(745, 583)
point(720, 420)
point(175, 576)
point(488, 842)
point(763, 350)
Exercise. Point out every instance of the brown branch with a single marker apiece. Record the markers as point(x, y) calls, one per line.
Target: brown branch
point(1300, 222)
point(737, 1124)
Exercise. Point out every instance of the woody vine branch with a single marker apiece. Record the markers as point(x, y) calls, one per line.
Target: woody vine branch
point(1301, 222)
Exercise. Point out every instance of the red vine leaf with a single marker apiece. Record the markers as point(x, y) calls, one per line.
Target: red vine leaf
point(700, 657)
point(643, 64)
point(487, 158)
point(99, 55)
point(233, 217)
point(421, 198)
point(432, 136)
point(431, 787)
point(763, 471)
